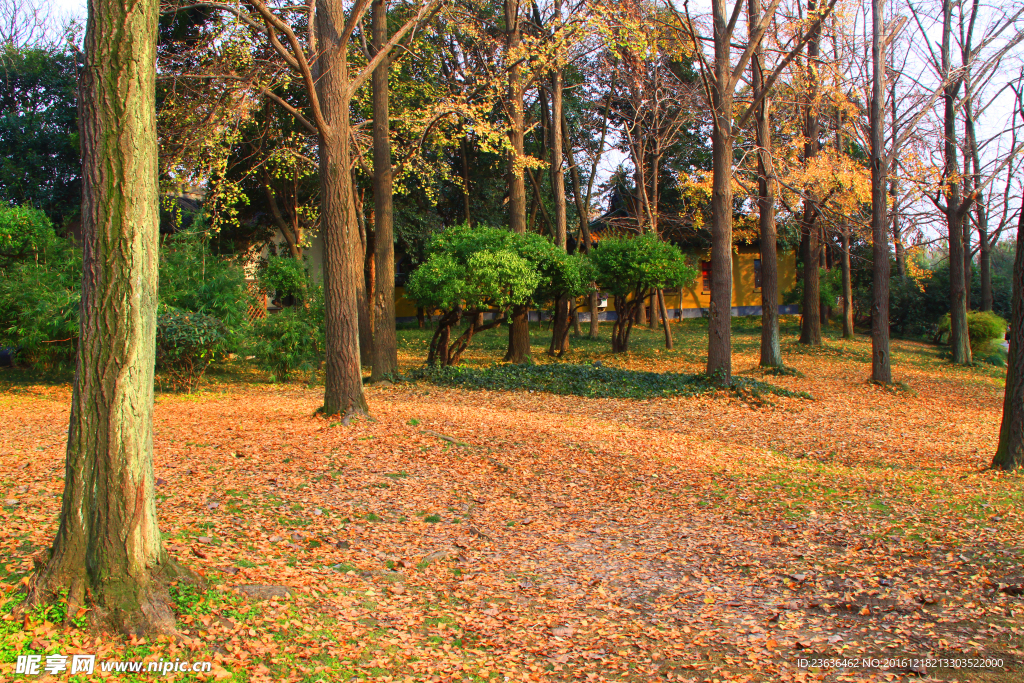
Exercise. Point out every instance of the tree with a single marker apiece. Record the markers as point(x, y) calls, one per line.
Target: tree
point(463, 279)
point(108, 552)
point(629, 268)
point(811, 233)
point(881, 371)
point(330, 83)
point(771, 352)
point(1010, 450)
point(385, 342)
point(519, 330)
point(721, 77)
point(38, 118)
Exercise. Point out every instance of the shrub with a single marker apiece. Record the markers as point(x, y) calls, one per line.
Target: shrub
point(290, 340)
point(39, 306)
point(24, 233)
point(286, 277)
point(193, 278)
point(186, 343)
point(983, 328)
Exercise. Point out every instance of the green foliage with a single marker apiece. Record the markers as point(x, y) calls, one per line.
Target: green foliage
point(193, 278)
point(595, 381)
point(286, 277)
point(186, 344)
point(473, 268)
point(39, 306)
point(24, 233)
point(41, 165)
point(633, 265)
point(982, 329)
point(292, 339)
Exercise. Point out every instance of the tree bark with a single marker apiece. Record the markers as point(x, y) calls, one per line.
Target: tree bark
point(384, 357)
point(810, 329)
point(880, 366)
point(1010, 451)
point(343, 390)
point(719, 363)
point(771, 351)
point(107, 553)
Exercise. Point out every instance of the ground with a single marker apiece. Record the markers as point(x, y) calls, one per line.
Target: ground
point(490, 535)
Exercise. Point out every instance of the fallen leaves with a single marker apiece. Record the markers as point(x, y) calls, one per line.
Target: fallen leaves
point(685, 539)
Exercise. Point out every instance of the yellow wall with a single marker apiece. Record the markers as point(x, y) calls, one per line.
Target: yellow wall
point(743, 292)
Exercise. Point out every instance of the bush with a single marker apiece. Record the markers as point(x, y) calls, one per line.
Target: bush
point(39, 306)
point(286, 277)
point(290, 340)
point(193, 278)
point(983, 328)
point(24, 233)
point(186, 343)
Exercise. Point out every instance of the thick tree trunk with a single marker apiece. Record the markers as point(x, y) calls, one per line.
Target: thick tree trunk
point(107, 553)
point(560, 329)
point(384, 357)
point(847, 286)
point(958, 339)
point(881, 371)
point(519, 336)
point(810, 329)
point(719, 363)
point(343, 270)
point(771, 351)
point(1010, 451)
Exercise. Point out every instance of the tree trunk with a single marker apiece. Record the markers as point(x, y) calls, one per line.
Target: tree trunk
point(810, 329)
point(367, 285)
point(664, 319)
point(560, 329)
point(384, 357)
point(343, 390)
point(594, 313)
point(810, 325)
point(719, 364)
point(959, 341)
point(519, 336)
point(771, 351)
point(1010, 451)
point(880, 368)
point(519, 330)
point(465, 182)
point(107, 553)
point(847, 286)
point(985, 265)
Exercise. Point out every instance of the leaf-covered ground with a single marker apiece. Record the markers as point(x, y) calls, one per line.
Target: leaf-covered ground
point(473, 535)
